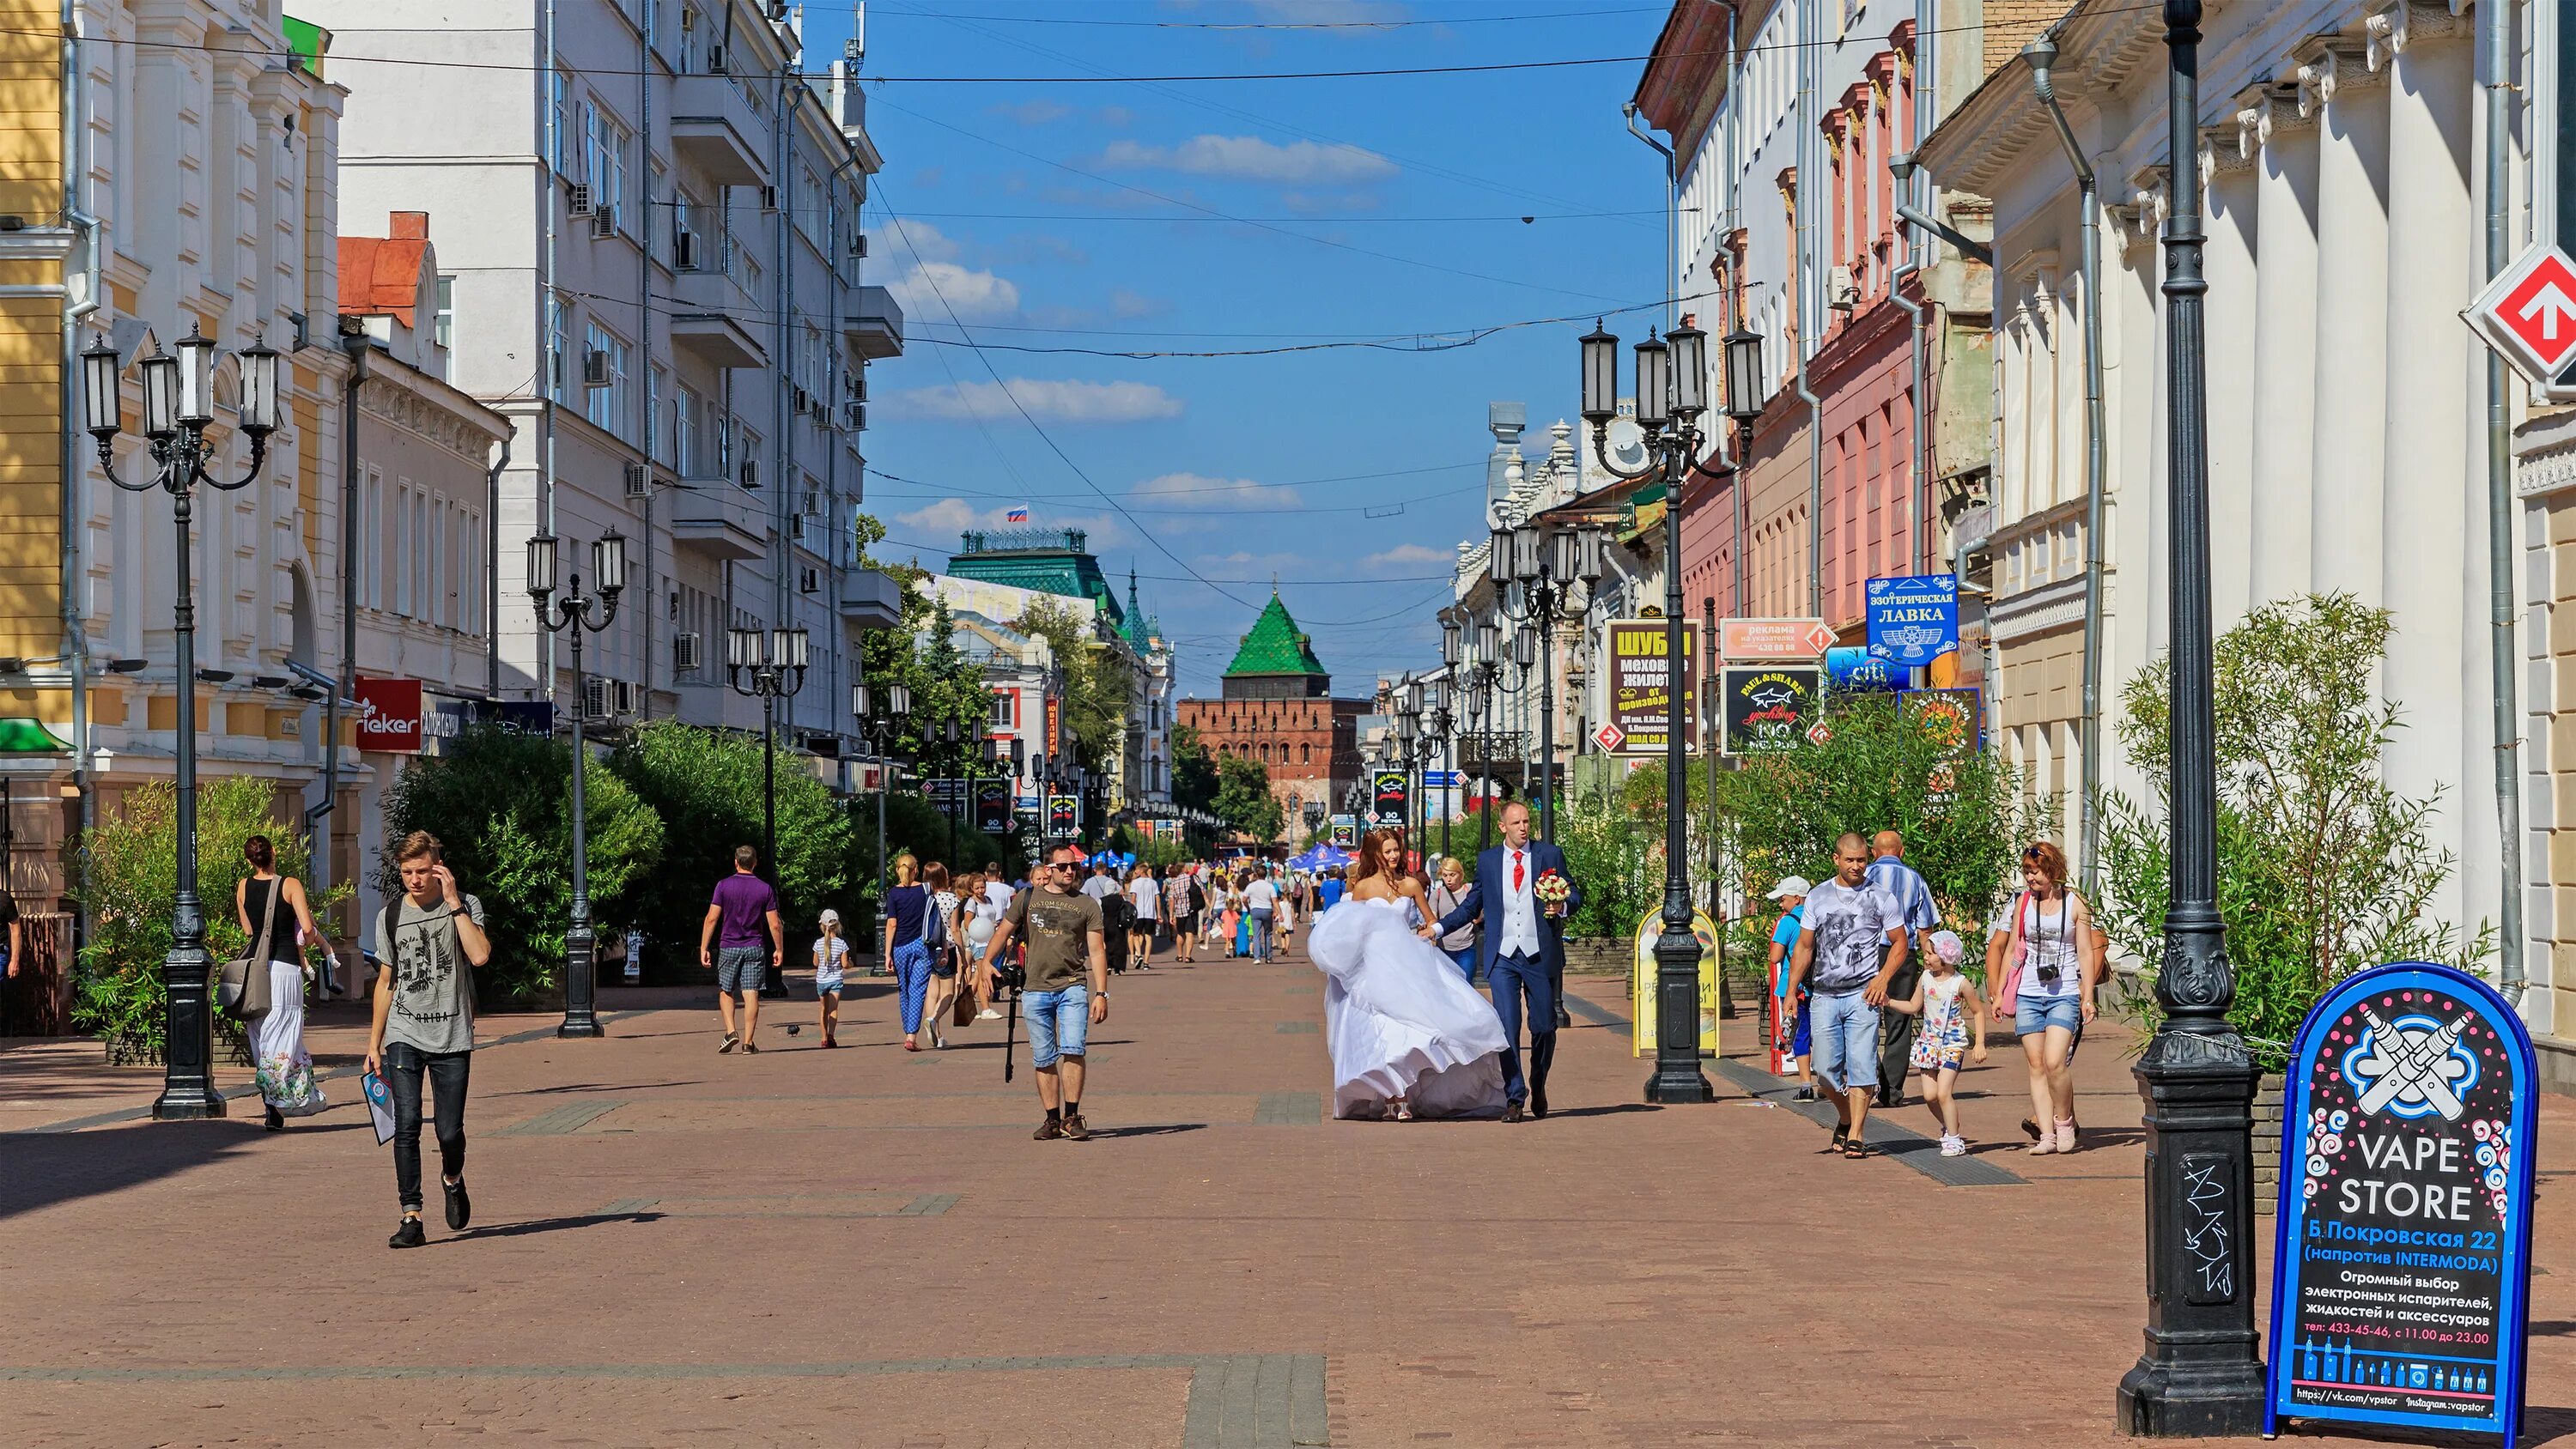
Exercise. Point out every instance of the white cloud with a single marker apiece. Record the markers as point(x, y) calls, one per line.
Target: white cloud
point(920, 240)
point(1409, 555)
point(1046, 399)
point(1245, 564)
point(1036, 112)
point(1199, 491)
point(1249, 158)
point(933, 291)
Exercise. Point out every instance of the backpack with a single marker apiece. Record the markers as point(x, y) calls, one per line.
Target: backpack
point(934, 926)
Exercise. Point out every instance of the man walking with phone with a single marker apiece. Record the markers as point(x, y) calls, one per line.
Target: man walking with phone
point(743, 904)
point(428, 940)
point(1067, 990)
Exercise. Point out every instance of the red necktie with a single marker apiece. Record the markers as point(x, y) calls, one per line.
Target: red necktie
point(1516, 870)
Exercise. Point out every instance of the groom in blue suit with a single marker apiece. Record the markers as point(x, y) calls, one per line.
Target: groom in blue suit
point(1522, 943)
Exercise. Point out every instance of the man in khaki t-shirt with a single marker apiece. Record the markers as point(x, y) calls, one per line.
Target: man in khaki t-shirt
point(1061, 928)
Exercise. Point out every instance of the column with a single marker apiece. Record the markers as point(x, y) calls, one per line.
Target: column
point(2349, 463)
point(2271, 128)
point(2228, 178)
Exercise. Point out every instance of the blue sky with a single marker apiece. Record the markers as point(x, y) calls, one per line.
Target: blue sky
point(1216, 216)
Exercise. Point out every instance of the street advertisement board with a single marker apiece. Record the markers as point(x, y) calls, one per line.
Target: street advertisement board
point(1388, 800)
point(1346, 831)
point(1064, 817)
point(389, 715)
point(1768, 707)
point(1955, 718)
point(1641, 983)
point(1914, 619)
point(993, 806)
point(1747, 638)
point(1850, 666)
point(1641, 701)
point(2402, 1266)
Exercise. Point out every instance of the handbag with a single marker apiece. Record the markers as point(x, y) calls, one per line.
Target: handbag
point(2015, 956)
point(961, 1012)
point(242, 992)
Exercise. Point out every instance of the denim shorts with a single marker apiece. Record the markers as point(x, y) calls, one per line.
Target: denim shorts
point(1845, 1028)
point(1058, 1022)
point(741, 969)
point(2035, 1014)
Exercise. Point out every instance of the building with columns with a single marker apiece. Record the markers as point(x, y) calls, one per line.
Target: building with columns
point(2343, 144)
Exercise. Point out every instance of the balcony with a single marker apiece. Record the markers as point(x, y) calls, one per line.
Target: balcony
point(871, 600)
point(713, 317)
point(875, 324)
point(714, 129)
point(720, 520)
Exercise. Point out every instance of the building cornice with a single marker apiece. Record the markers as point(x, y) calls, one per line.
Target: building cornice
point(2101, 44)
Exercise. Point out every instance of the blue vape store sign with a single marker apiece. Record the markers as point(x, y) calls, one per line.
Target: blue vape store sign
point(2400, 1277)
point(1915, 619)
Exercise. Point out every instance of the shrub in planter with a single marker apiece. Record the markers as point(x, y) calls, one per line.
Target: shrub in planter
point(132, 859)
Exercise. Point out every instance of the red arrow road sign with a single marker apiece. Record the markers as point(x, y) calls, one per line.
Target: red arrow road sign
point(2528, 312)
point(1609, 738)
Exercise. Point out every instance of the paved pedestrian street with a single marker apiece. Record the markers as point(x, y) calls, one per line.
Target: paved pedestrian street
point(863, 1247)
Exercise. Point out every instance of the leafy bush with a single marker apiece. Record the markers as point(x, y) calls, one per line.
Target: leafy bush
point(706, 786)
point(133, 862)
point(500, 803)
point(2322, 868)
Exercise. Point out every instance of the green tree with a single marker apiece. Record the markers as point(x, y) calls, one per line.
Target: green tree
point(1096, 681)
point(1194, 776)
point(1243, 798)
point(500, 803)
point(706, 786)
point(132, 859)
point(2323, 868)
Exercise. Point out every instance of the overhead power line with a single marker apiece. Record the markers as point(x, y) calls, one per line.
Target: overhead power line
point(1271, 24)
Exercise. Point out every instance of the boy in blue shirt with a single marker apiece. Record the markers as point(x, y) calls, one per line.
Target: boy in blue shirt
point(1791, 893)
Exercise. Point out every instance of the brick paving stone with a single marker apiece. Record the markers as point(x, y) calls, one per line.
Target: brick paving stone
point(864, 1247)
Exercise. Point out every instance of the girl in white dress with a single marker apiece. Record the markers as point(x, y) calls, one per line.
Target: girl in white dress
point(1409, 1036)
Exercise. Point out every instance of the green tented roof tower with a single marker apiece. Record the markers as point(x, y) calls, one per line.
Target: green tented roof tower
point(1276, 660)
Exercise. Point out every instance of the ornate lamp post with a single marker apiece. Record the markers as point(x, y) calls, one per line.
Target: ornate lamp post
point(574, 615)
point(1408, 752)
point(178, 407)
point(2201, 1374)
point(769, 667)
point(1672, 392)
point(1534, 572)
point(881, 716)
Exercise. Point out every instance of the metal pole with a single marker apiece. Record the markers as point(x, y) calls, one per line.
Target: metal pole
point(1677, 1077)
point(581, 945)
point(1447, 772)
point(2201, 1375)
point(187, 1081)
point(773, 982)
point(1543, 619)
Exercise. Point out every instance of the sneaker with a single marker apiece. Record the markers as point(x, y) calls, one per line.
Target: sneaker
point(750, 1050)
point(988, 1014)
point(1953, 1145)
point(1049, 1130)
point(409, 1235)
point(2044, 1146)
point(1803, 1094)
point(1076, 1130)
point(730, 1042)
point(460, 1208)
point(2066, 1136)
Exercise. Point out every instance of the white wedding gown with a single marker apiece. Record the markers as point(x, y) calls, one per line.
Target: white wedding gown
point(1401, 1019)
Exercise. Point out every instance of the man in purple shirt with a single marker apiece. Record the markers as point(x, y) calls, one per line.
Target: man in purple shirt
point(743, 904)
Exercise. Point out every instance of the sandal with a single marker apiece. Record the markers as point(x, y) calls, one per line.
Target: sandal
point(1842, 1138)
point(1854, 1151)
point(1403, 1110)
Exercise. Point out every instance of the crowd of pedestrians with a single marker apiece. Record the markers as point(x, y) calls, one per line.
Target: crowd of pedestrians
point(1872, 990)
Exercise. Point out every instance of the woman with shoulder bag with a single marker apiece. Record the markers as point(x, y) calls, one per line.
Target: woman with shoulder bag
point(271, 908)
point(2048, 957)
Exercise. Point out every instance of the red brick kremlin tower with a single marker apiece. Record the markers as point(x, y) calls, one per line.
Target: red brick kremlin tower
point(1278, 708)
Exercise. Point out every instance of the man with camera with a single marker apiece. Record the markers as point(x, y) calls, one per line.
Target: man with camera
point(1064, 991)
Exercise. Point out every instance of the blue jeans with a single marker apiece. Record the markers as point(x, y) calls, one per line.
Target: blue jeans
point(1513, 978)
point(1845, 1027)
point(1465, 956)
point(912, 981)
point(1059, 1023)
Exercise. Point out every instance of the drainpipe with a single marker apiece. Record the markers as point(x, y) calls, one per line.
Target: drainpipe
point(645, 35)
point(492, 565)
point(2494, 22)
point(1809, 286)
point(2042, 55)
point(548, 359)
point(355, 343)
point(75, 465)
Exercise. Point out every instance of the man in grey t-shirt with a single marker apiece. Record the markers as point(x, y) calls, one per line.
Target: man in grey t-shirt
point(428, 940)
point(1852, 943)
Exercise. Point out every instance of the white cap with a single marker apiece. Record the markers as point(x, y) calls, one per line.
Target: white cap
point(1792, 885)
point(829, 917)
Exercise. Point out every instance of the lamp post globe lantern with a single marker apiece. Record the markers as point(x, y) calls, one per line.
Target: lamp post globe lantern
point(768, 666)
point(179, 407)
point(1743, 374)
point(575, 615)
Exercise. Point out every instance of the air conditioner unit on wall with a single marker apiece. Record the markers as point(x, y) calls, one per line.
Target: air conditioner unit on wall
point(594, 368)
point(808, 580)
point(1841, 292)
point(858, 244)
point(639, 481)
point(594, 698)
point(800, 404)
point(603, 223)
point(796, 526)
point(750, 472)
point(685, 653)
point(580, 203)
point(715, 60)
point(854, 415)
point(769, 198)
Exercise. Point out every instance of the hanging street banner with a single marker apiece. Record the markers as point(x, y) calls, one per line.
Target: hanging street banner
point(2401, 1269)
point(1769, 708)
point(993, 806)
point(1954, 718)
point(1064, 817)
point(1346, 831)
point(1851, 666)
point(1389, 798)
point(1773, 638)
point(1914, 619)
point(1640, 701)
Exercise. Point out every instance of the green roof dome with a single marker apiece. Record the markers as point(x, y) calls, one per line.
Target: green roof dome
point(1275, 646)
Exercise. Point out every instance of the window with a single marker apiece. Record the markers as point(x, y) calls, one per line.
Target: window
point(444, 329)
point(750, 451)
point(808, 203)
point(434, 612)
point(604, 143)
point(371, 525)
point(686, 410)
point(1005, 710)
point(608, 406)
point(657, 436)
point(559, 128)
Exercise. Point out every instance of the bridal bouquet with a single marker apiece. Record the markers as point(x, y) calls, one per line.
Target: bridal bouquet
point(1552, 889)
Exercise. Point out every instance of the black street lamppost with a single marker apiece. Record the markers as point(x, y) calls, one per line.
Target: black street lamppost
point(1410, 748)
point(1442, 725)
point(770, 667)
point(1672, 393)
point(178, 407)
point(2201, 1374)
point(1534, 573)
point(1479, 652)
point(574, 615)
point(881, 718)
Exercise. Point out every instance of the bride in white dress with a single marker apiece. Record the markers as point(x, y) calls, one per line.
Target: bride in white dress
point(1410, 1038)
